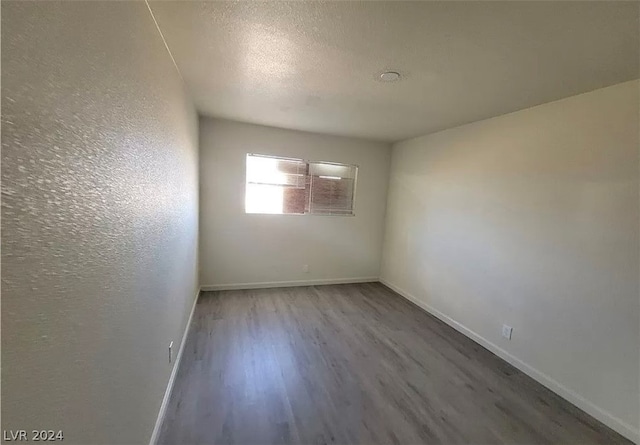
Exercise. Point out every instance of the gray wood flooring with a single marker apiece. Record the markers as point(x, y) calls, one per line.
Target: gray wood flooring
point(354, 364)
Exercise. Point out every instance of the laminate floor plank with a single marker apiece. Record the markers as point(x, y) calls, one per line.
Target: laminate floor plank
point(353, 364)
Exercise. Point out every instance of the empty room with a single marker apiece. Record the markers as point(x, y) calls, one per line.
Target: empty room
point(320, 222)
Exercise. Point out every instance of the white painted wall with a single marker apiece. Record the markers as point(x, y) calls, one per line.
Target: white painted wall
point(99, 219)
point(238, 249)
point(531, 219)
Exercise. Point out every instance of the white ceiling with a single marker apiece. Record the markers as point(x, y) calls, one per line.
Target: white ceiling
point(313, 65)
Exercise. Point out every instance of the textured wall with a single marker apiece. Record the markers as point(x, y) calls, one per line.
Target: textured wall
point(531, 219)
point(99, 218)
point(241, 249)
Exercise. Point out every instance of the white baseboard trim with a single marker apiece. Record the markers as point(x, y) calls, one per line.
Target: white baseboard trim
point(600, 414)
point(172, 377)
point(269, 284)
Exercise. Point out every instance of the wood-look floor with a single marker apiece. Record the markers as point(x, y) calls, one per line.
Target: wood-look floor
point(354, 364)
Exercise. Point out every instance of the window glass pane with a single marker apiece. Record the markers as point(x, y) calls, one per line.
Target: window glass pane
point(275, 185)
point(262, 198)
point(296, 199)
point(332, 188)
point(275, 171)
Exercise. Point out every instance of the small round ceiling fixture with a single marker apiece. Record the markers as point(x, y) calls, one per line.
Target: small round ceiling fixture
point(390, 76)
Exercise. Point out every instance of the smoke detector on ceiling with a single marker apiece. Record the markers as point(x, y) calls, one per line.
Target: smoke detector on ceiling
point(389, 76)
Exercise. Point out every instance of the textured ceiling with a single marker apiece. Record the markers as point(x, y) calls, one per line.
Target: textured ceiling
point(313, 65)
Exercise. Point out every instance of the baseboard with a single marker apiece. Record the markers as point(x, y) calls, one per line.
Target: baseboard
point(268, 284)
point(172, 377)
point(571, 396)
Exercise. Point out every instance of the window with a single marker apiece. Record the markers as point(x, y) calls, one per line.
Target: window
point(293, 186)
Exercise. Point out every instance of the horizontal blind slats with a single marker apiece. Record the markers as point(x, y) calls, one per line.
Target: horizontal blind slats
point(274, 171)
point(279, 185)
point(332, 188)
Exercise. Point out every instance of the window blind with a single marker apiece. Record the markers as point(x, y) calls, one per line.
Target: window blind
point(294, 186)
point(332, 188)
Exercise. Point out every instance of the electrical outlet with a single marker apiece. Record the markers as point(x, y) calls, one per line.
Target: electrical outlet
point(506, 331)
point(170, 352)
point(305, 268)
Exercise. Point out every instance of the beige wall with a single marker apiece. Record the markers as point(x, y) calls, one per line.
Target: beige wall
point(99, 218)
point(237, 249)
point(531, 219)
